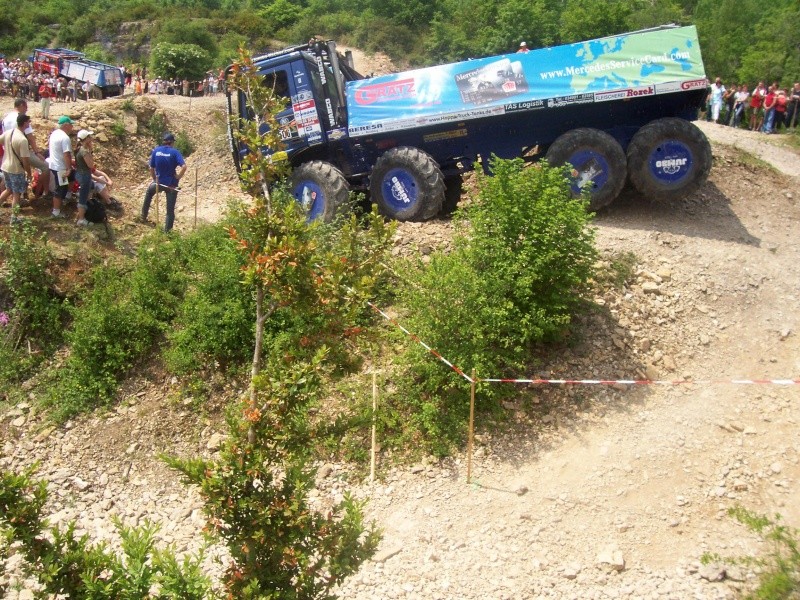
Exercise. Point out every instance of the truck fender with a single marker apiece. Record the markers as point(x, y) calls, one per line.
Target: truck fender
point(668, 159)
point(321, 188)
point(407, 184)
point(598, 164)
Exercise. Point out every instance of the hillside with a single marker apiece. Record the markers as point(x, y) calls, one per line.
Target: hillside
point(586, 479)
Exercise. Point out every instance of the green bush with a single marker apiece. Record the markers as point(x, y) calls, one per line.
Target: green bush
point(779, 568)
point(118, 129)
point(109, 333)
point(184, 144)
point(31, 311)
point(521, 263)
point(257, 495)
point(181, 61)
point(214, 323)
point(64, 563)
point(117, 319)
point(156, 126)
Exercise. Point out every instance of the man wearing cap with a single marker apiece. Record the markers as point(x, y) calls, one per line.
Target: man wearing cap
point(523, 47)
point(164, 169)
point(16, 163)
point(60, 161)
point(37, 159)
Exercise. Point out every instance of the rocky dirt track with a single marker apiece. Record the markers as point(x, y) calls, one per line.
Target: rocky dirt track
point(595, 492)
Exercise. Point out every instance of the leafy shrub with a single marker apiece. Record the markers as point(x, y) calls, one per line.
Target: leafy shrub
point(522, 259)
point(30, 308)
point(109, 333)
point(179, 61)
point(117, 319)
point(184, 144)
point(214, 322)
point(156, 126)
point(257, 495)
point(128, 105)
point(779, 569)
point(118, 129)
point(67, 564)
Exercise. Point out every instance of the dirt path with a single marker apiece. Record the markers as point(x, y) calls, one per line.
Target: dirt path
point(766, 147)
point(599, 492)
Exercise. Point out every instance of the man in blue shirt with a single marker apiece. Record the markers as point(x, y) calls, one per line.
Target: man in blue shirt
point(167, 167)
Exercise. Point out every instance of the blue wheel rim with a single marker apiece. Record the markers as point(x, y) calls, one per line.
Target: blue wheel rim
point(399, 189)
point(589, 170)
point(670, 162)
point(311, 197)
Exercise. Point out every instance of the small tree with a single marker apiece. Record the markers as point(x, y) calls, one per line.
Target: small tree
point(257, 491)
point(179, 61)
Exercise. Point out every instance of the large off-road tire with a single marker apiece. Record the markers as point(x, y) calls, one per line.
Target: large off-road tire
point(407, 185)
point(321, 188)
point(668, 159)
point(598, 163)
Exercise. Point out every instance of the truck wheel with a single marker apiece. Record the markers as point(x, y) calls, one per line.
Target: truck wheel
point(668, 159)
point(321, 188)
point(597, 160)
point(407, 185)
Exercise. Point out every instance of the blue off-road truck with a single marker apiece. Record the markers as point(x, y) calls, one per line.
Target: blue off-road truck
point(617, 109)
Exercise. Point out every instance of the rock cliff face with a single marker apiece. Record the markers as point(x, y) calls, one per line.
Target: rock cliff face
point(131, 42)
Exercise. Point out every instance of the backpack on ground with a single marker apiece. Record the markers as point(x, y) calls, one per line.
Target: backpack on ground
point(96, 211)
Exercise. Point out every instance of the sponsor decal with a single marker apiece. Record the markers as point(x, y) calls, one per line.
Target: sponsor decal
point(694, 84)
point(363, 129)
point(386, 92)
point(572, 99)
point(642, 91)
point(528, 105)
point(606, 96)
point(445, 135)
point(666, 88)
point(670, 166)
point(399, 192)
point(337, 134)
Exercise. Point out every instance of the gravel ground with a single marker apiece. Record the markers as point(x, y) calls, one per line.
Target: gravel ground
point(598, 492)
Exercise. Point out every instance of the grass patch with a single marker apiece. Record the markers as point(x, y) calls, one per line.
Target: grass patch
point(779, 568)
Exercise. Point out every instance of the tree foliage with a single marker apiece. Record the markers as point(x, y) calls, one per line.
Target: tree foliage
point(179, 61)
point(746, 40)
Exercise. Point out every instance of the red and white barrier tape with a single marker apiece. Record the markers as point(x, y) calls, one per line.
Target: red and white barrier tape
point(645, 381)
point(783, 382)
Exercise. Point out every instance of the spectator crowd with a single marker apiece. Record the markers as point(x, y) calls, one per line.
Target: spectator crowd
point(765, 109)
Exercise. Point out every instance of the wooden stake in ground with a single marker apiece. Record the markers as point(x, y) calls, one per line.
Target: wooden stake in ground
point(158, 193)
point(471, 426)
point(195, 198)
point(374, 412)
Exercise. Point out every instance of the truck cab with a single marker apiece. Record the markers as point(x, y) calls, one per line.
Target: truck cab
point(311, 77)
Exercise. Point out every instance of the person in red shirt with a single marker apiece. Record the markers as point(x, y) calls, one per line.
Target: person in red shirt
point(780, 110)
point(45, 93)
point(756, 107)
point(769, 110)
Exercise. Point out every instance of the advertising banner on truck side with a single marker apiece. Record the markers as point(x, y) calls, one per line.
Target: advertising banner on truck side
point(613, 68)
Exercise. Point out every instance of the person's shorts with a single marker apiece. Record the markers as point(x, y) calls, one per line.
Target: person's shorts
point(99, 185)
point(60, 190)
point(15, 182)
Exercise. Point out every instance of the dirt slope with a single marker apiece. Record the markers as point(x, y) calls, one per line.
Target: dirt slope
point(593, 477)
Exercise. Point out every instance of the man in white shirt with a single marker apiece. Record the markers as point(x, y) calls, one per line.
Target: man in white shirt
point(37, 158)
point(60, 161)
point(717, 90)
